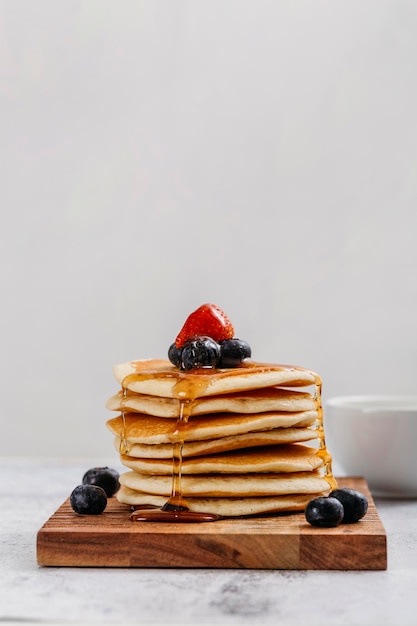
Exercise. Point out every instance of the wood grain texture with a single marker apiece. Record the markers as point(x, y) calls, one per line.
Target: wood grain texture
point(283, 541)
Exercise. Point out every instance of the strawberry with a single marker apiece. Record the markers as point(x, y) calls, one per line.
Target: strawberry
point(208, 320)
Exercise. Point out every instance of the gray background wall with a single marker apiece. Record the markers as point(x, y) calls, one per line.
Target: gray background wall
point(156, 155)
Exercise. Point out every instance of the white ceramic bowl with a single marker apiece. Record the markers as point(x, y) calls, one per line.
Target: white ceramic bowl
point(375, 437)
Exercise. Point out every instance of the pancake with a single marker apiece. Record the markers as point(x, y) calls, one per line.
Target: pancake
point(223, 444)
point(140, 428)
point(252, 401)
point(272, 459)
point(225, 507)
point(237, 441)
point(158, 377)
point(229, 485)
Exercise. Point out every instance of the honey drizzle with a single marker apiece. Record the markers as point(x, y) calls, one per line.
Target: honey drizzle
point(176, 500)
point(186, 389)
point(322, 452)
point(124, 447)
point(176, 508)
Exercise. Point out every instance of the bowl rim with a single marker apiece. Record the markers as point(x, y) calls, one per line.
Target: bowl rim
point(373, 403)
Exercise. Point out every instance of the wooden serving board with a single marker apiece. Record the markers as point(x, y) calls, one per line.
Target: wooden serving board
point(284, 541)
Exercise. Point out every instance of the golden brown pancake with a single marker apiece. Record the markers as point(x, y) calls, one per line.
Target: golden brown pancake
point(158, 377)
point(252, 401)
point(229, 485)
point(223, 444)
point(226, 507)
point(271, 459)
point(140, 428)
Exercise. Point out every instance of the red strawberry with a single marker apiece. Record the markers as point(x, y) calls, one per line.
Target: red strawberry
point(208, 320)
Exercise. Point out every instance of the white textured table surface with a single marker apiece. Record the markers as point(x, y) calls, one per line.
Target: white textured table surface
point(32, 490)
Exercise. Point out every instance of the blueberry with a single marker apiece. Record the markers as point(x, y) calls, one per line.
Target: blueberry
point(233, 352)
point(355, 504)
point(200, 352)
point(174, 355)
point(324, 511)
point(88, 500)
point(104, 477)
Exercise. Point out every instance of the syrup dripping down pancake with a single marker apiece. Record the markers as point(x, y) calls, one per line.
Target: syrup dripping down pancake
point(271, 459)
point(229, 485)
point(158, 377)
point(141, 428)
point(252, 401)
point(225, 507)
point(222, 444)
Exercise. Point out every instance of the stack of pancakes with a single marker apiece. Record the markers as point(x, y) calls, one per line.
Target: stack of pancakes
point(249, 440)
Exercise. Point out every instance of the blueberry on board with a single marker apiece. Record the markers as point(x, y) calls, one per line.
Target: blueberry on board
point(88, 500)
point(324, 511)
point(200, 352)
point(233, 352)
point(174, 355)
point(104, 477)
point(355, 504)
